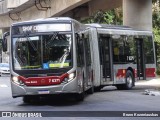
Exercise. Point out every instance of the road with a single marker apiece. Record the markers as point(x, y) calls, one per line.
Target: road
point(108, 99)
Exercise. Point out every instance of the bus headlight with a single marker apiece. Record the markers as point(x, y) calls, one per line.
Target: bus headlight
point(69, 77)
point(16, 80)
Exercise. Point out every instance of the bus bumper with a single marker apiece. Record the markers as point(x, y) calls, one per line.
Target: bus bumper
point(70, 87)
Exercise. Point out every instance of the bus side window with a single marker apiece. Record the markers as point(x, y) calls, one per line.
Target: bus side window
point(149, 51)
point(116, 52)
point(79, 50)
point(87, 50)
point(130, 49)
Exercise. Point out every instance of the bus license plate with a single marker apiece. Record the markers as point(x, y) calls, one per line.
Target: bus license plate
point(43, 92)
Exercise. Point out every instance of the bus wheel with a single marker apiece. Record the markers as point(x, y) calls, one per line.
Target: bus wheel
point(120, 87)
point(26, 99)
point(129, 80)
point(97, 89)
point(91, 90)
point(80, 96)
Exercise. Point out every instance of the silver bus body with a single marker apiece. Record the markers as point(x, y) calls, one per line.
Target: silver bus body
point(94, 46)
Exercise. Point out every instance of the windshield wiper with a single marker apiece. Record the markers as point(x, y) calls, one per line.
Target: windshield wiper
point(55, 34)
point(63, 58)
point(31, 43)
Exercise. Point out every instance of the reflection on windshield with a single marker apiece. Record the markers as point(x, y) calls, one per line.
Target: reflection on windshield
point(42, 52)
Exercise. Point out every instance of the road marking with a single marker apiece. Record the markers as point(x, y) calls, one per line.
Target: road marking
point(3, 85)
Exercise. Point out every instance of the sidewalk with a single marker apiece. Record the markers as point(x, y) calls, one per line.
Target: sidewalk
point(152, 82)
point(151, 87)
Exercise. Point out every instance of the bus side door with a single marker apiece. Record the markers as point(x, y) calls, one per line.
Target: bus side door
point(80, 60)
point(106, 64)
point(140, 59)
point(87, 59)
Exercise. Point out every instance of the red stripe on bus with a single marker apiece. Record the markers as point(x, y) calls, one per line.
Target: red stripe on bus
point(43, 81)
point(135, 73)
point(150, 72)
point(121, 73)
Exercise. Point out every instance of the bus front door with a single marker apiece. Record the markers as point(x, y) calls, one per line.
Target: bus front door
point(105, 59)
point(140, 60)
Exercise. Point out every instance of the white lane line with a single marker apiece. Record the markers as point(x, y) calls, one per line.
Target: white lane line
point(3, 85)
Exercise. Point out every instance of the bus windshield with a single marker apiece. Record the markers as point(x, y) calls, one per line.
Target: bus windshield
point(42, 51)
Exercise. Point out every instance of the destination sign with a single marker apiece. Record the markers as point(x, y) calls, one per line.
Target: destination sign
point(58, 27)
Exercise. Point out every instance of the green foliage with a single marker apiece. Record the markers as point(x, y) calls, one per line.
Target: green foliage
point(158, 71)
point(156, 20)
point(154, 1)
point(156, 34)
point(109, 17)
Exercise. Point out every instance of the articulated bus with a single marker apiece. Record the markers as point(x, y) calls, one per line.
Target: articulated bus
point(62, 56)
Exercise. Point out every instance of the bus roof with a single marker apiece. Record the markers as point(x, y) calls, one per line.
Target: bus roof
point(46, 20)
point(117, 28)
point(109, 26)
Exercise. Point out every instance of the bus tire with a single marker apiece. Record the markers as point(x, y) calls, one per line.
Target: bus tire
point(97, 89)
point(120, 87)
point(129, 80)
point(91, 90)
point(26, 99)
point(80, 96)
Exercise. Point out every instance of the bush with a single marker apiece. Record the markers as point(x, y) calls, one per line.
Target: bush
point(158, 71)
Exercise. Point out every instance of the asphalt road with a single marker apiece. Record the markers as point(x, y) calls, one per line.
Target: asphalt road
point(108, 99)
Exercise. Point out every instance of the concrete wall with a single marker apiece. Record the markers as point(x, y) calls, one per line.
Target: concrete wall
point(58, 7)
point(3, 7)
point(138, 14)
point(15, 3)
point(95, 5)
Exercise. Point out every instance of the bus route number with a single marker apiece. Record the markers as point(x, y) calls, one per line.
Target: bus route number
point(54, 80)
point(130, 58)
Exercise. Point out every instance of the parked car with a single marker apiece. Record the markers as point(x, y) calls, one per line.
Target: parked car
point(4, 68)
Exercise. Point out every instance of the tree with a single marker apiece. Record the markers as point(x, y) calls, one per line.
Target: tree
point(106, 17)
point(156, 29)
point(156, 19)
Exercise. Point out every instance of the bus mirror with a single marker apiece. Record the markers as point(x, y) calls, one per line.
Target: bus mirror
point(4, 41)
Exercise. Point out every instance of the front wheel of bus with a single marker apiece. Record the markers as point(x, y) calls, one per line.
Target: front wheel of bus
point(129, 80)
point(26, 99)
point(80, 96)
point(91, 90)
point(31, 99)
